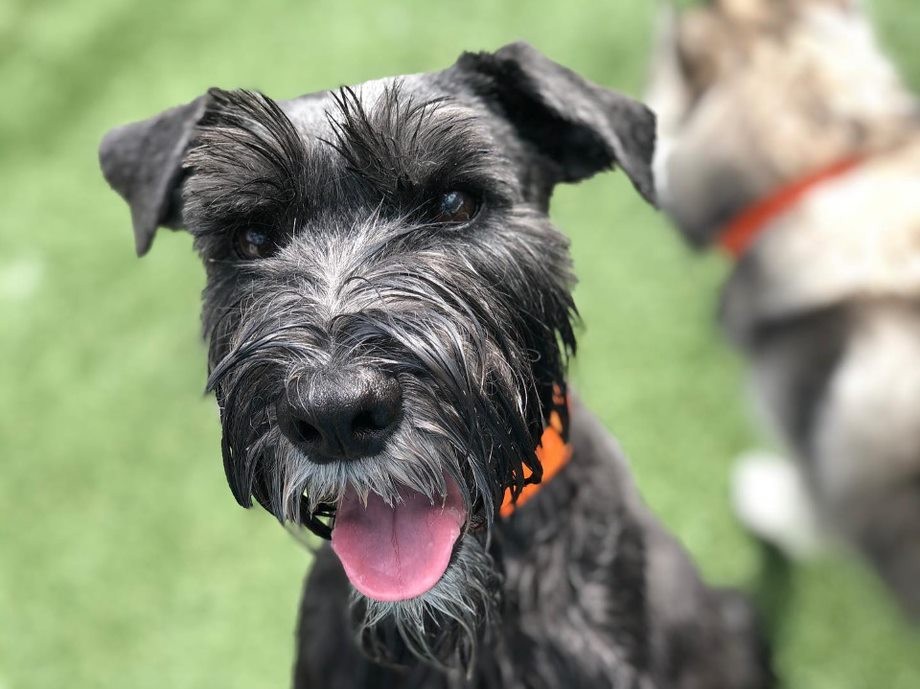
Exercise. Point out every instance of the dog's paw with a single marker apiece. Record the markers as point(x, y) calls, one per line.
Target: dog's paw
point(772, 501)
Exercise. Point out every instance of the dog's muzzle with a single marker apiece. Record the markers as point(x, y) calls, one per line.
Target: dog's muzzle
point(391, 550)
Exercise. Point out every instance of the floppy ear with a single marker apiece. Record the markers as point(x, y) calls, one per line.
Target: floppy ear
point(578, 127)
point(142, 161)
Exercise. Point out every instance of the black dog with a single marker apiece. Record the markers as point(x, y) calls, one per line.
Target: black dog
point(389, 315)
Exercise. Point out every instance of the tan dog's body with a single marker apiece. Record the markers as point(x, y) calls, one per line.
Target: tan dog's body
point(754, 95)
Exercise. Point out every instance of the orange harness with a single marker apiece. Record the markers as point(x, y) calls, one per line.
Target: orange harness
point(553, 452)
point(741, 232)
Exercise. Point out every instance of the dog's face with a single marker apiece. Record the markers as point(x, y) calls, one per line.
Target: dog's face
point(388, 307)
point(751, 94)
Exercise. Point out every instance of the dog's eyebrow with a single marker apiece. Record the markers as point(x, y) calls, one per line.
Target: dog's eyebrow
point(247, 158)
point(402, 142)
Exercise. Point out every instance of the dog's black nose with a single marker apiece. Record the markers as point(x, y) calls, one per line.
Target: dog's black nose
point(341, 414)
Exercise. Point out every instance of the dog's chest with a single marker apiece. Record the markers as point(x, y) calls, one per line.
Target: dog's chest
point(574, 572)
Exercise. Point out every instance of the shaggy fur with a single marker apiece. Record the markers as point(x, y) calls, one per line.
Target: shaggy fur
point(755, 95)
point(473, 322)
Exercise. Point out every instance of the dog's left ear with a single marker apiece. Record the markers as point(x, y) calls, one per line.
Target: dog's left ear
point(142, 161)
point(579, 128)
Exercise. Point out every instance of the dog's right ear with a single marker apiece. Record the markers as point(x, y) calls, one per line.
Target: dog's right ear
point(142, 161)
point(578, 128)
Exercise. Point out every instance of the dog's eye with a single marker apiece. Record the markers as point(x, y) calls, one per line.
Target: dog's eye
point(455, 207)
point(252, 243)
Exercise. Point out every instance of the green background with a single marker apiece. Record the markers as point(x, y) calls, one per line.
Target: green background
point(124, 561)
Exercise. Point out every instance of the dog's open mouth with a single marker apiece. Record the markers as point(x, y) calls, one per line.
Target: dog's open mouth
point(394, 553)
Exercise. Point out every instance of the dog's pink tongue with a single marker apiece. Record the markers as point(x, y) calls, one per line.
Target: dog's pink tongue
point(400, 552)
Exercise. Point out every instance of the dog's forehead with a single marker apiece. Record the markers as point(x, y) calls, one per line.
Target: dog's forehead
point(311, 112)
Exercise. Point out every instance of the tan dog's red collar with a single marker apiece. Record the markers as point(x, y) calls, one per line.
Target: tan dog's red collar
point(747, 226)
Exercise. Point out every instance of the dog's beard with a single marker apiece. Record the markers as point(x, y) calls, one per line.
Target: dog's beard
point(435, 444)
point(443, 626)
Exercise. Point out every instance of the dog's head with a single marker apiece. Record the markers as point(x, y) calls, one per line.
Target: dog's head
point(388, 306)
point(751, 94)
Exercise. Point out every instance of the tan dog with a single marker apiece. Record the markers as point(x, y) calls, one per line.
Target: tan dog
point(788, 137)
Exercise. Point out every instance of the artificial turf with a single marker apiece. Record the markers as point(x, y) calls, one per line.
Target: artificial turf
point(124, 561)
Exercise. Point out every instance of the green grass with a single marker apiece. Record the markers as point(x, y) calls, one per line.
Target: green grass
point(124, 561)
